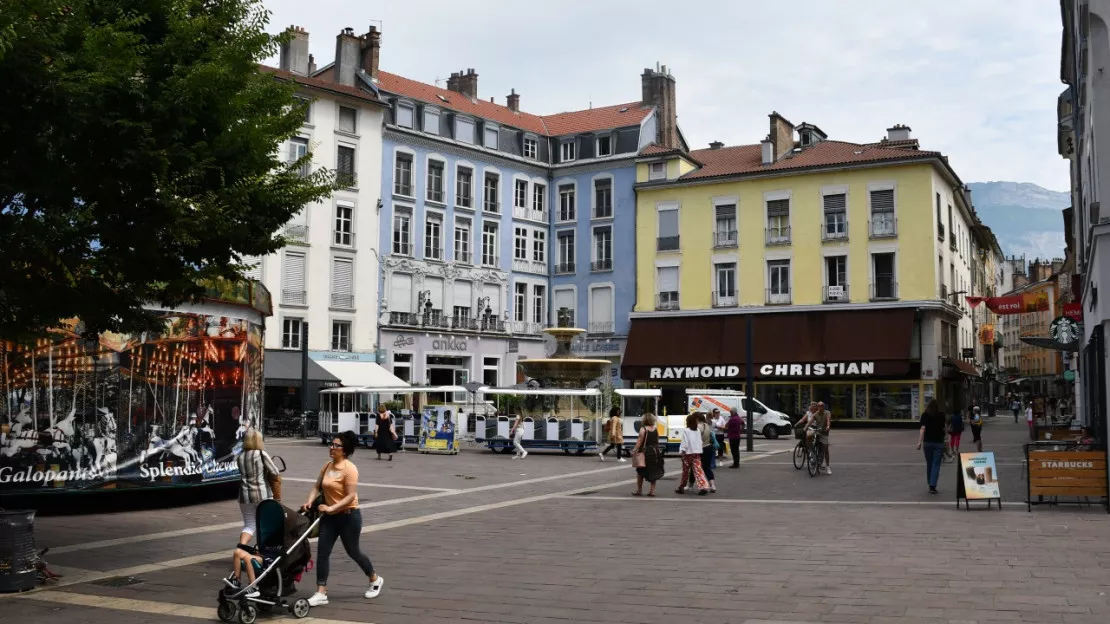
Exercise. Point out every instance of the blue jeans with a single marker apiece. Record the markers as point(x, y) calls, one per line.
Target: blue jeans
point(346, 527)
point(934, 451)
point(708, 458)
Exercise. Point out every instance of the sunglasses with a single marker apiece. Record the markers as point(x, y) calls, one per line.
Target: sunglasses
point(336, 446)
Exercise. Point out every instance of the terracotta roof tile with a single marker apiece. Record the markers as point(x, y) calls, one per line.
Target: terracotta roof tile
point(593, 119)
point(392, 83)
point(742, 159)
point(656, 149)
point(319, 83)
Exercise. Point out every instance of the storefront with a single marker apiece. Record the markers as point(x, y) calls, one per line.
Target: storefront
point(862, 363)
point(597, 348)
point(283, 383)
point(356, 370)
point(450, 358)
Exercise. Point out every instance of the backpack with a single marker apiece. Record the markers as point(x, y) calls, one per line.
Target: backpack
point(957, 424)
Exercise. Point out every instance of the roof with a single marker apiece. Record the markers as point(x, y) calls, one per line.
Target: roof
point(321, 84)
point(745, 159)
point(593, 119)
point(485, 109)
point(655, 149)
point(285, 366)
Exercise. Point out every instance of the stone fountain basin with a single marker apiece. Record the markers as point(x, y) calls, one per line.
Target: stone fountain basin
point(563, 368)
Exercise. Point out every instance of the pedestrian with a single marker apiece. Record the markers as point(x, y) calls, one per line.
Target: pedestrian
point(708, 451)
point(516, 434)
point(820, 421)
point(384, 433)
point(932, 437)
point(259, 480)
point(977, 428)
point(720, 422)
point(1015, 407)
point(733, 430)
point(823, 432)
point(341, 518)
point(690, 450)
point(1029, 421)
point(956, 430)
point(647, 444)
point(614, 430)
point(701, 419)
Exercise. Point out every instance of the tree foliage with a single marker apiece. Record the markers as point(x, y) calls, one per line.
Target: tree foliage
point(138, 156)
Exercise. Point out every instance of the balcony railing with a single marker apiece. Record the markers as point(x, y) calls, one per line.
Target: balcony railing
point(600, 327)
point(884, 290)
point(403, 188)
point(667, 243)
point(521, 265)
point(436, 320)
point(952, 241)
point(490, 261)
point(564, 268)
point(725, 299)
point(402, 249)
point(294, 297)
point(525, 327)
point(778, 236)
point(343, 302)
point(940, 231)
point(342, 239)
point(491, 207)
point(601, 265)
point(836, 294)
point(530, 214)
point(433, 253)
point(778, 296)
point(346, 179)
point(834, 231)
point(464, 323)
point(725, 238)
point(296, 233)
point(667, 300)
point(407, 319)
point(944, 292)
point(883, 228)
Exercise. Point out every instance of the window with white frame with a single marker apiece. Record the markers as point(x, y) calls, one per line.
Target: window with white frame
point(464, 187)
point(298, 148)
point(666, 283)
point(464, 130)
point(778, 221)
point(724, 276)
point(725, 234)
point(433, 236)
point(402, 233)
point(343, 236)
point(462, 241)
point(402, 366)
point(435, 181)
point(520, 243)
point(340, 335)
point(520, 193)
point(604, 146)
point(778, 281)
point(431, 120)
point(567, 151)
point(345, 166)
point(601, 310)
point(402, 175)
point(293, 279)
point(520, 301)
point(603, 249)
point(531, 148)
point(539, 246)
point(348, 119)
point(489, 244)
point(566, 202)
point(291, 332)
point(490, 136)
point(882, 213)
point(566, 252)
point(668, 234)
point(491, 371)
point(836, 216)
point(539, 304)
point(539, 198)
point(603, 198)
point(836, 278)
point(657, 171)
point(491, 202)
point(404, 115)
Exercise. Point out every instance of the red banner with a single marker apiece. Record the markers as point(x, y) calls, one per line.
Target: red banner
point(1074, 311)
point(1014, 304)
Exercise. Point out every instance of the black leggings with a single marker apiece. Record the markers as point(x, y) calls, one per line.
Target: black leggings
point(619, 447)
point(734, 445)
point(346, 527)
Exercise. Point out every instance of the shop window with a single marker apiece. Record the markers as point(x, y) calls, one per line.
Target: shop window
point(893, 401)
point(785, 398)
point(402, 366)
point(838, 399)
point(490, 371)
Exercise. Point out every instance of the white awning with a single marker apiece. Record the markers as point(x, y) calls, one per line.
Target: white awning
point(542, 391)
point(362, 374)
point(639, 392)
point(394, 389)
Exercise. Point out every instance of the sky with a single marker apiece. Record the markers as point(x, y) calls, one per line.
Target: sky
point(976, 80)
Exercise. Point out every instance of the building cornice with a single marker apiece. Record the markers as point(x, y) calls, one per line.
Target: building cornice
point(778, 173)
point(932, 305)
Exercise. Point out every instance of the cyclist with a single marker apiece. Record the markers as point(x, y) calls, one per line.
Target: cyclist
point(816, 423)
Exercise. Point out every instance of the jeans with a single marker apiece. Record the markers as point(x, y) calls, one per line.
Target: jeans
point(734, 446)
point(518, 435)
point(934, 451)
point(708, 456)
point(346, 527)
point(619, 447)
point(721, 444)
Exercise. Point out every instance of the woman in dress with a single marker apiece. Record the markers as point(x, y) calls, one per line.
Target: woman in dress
point(648, 444)
point(384, 434)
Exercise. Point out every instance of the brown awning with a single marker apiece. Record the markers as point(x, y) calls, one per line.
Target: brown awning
point(879, 336)
point(963, 366)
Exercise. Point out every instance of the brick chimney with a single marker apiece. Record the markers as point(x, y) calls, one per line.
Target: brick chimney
point(294, 52)
point(657, 88)
point(513, 101)
point(347, 57)
point(464, 82)
point(371, 48)
point(782, 135)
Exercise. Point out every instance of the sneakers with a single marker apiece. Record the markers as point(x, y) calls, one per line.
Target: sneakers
point(622, 460)
point(319, 599)
point(375, 588)
point(524, 454)
point(601, 456)
point(254, 593)
point(828, 470)
point(516, 455)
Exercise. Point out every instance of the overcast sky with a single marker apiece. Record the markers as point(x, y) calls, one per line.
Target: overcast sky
point(975, 79)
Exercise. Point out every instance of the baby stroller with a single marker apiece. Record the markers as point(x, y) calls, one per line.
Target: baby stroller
point(282, 541)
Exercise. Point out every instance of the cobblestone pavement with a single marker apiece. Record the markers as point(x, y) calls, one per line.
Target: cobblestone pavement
point(483, 538)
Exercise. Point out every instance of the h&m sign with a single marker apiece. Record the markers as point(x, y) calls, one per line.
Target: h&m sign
point(728, 371)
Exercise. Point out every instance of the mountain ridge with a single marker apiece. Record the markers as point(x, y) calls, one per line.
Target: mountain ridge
point(1026, 218)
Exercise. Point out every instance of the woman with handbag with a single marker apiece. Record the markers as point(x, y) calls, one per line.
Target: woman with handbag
point(258, 480)
point(647, 459)
point(385, 435)
point(335, 495)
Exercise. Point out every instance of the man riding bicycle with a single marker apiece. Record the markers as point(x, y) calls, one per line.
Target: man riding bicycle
point(816, 423)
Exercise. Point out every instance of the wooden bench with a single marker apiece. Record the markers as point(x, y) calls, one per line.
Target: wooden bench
point(1056, 473)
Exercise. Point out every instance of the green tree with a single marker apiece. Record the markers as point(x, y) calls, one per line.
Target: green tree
point(139, 156)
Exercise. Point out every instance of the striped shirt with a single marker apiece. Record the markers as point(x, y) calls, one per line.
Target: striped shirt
point(256, 469)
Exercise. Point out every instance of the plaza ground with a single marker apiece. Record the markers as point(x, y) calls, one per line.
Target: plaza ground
point(482, 538)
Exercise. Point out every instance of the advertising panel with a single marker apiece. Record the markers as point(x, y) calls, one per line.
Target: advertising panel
point(980, 476)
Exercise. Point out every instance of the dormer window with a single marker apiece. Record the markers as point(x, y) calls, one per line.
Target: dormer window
point(604, 146)
point(431, 120)
point(404, 115)
point(490, 136)
point(657, 171)
point(568, 151)
point(531, 147)
point(464, 129)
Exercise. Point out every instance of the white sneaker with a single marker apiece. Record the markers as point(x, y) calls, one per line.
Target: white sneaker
point(622, 460)
point(254, 593)
point(601, 456)
point(375, 588)
point(317, 599)
point(828, 470)
point(524, 454)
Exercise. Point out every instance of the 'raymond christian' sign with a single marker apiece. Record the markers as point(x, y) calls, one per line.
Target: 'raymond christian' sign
point(819, 369)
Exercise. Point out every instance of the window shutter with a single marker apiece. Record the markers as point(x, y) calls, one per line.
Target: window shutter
point(342, 278)
point(464, 294)
point(564, 299)
point(435, 286)
point(292, 272)
point(836, 203)
point(883, 201)
point(400, 296)
point(668, 223)
point(778, 208)
point(254, 272)
point(601, 305)
point(345, 160)
point(726, 212)
point(668, 279)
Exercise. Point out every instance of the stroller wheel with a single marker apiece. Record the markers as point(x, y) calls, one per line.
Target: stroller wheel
point(299, 608)
point(248, 614)
point(227, 611)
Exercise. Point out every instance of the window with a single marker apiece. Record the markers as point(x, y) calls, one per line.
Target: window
point(461, 315)
point(490, 136)
point(433, 236)
point(603, 198)
point(342, 283)
point(307, 104)
point(431, 121)
point(778, 221)
point(344, 217)
point(539, 246)
point(520, 301)
point(464, 187)
point(464, 130)
point(402, 366)
point(836, 278)
point(298, 148)
point(462, 241)
point(724, 275)
point(489, 244)
point(603, 249)
point(539, 304)
point(490, 203)
point(566, 252)
point(668, 230)
point(657, 171)
point(564, 307)
point(345, 166)
point(836, 216)
point(402, 175)
point(604, 146)
point(531, 148)
point(601, 310)
point(491, 368)
point(292, 279)
point(882, 213)
point(567, 151)
point(886, 287)
point(778, 281)
point(347, 119)
point(520, 193)
point(340, 335)
point(520, 243)
point(402, 233)
point(539, 200)
point(666, 280)
point(404, 115)
point(291, 333)
point(725, 235)
point(566, 202)
point(435, 181)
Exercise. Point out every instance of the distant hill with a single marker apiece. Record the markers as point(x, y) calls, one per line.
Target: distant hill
point(1025, 217)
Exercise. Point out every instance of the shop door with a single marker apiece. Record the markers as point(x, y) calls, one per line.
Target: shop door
point(462, 376)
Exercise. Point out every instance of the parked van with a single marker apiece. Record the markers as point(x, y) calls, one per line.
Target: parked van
point(768, 422)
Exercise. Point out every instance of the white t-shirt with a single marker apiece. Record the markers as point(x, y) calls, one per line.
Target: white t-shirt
point(1029, 414)
point(691, 442)
point(719, 423)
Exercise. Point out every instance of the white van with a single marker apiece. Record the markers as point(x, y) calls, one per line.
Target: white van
point(768, 422)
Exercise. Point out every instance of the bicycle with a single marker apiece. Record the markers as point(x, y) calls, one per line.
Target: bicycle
point(801, 453)
point(815, 456)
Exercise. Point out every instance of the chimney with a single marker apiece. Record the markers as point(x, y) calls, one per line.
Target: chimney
point(716, 145)
point(657, 88)
point(294, 52)
point(371, 48)
point(347, 53)
point(464, 82)
point(311, 64)
point(782, 135)
point(513, 101)
point(898, 133)
point(767, 149)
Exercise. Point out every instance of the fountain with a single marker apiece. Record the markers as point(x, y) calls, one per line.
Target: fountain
point(561, 369)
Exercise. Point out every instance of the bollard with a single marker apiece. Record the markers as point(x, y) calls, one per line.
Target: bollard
point(17, 551)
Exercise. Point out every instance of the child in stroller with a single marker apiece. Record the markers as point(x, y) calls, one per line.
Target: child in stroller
point(280, 556)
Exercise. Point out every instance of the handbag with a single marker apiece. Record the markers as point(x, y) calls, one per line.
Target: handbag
point(639, 459)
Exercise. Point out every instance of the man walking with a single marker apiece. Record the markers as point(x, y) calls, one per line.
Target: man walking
point(733, 429)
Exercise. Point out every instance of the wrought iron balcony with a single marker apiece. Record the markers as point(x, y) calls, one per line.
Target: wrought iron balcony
point(600, 327)
point(407, 319)
point(667, 300)
point(294, 297)
point(296, 233)
point(883, 228)
point(836, 294)
point(834, 231)
point(886, 289)
point(778, 296)
point(778, 235)
point(601, 265)
point(725, 299)
point(343, 302)
point(725, 238)
point(342, 239)
point(564, 269)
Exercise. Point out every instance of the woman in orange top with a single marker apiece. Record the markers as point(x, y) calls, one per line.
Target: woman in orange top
point(341, 517)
